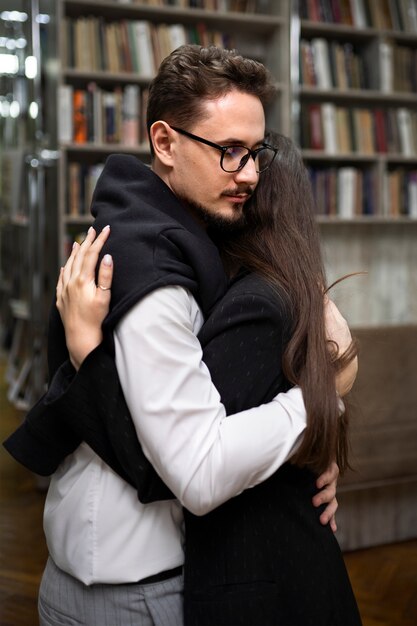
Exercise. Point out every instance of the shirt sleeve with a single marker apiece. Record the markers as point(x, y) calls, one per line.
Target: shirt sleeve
point(202, 456)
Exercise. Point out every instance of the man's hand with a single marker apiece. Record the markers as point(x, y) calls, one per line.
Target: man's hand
point(327, 484)
point(82, 304)
point(338, 333)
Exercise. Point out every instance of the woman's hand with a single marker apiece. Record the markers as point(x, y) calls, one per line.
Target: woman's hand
point(82, 304)
point(338, 333)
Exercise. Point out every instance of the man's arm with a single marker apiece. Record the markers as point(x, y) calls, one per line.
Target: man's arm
point(204, 458)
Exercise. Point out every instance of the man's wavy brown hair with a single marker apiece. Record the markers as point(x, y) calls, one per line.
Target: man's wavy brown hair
point(193, 74)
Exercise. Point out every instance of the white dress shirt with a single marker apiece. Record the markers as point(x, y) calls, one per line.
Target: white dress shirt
point(95, 526)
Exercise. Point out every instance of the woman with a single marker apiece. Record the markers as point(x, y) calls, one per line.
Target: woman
point(263, 558)
point(275, 564)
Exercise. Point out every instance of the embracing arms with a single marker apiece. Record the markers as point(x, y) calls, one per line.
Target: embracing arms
point(82, 278)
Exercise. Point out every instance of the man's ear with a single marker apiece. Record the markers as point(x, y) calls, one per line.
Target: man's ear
point(162, 139)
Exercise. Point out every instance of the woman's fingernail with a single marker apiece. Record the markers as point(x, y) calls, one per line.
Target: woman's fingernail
point(106, 227)
point(90, 229)
point(107, 260)
point(74, 245)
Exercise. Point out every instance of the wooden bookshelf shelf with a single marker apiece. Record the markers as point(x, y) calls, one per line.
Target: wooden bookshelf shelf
point(76, 77)
point(320, 156)
point(74, 149)
point(349, 96)
point(261, 23)
point(371, 220)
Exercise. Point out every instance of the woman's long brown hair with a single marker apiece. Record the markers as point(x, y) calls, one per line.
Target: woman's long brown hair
point(281, 243)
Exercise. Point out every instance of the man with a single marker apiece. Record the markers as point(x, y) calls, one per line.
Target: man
point(114, 559)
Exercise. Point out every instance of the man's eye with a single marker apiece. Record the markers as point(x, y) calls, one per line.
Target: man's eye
point(236, 152)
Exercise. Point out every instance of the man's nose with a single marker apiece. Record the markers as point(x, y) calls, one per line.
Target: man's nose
point(248, 173)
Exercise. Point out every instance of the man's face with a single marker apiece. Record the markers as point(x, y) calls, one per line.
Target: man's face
point(213, 195)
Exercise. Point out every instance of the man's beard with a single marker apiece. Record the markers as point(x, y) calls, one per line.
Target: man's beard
point(217, 224)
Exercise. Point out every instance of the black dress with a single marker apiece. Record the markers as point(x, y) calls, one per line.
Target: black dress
point(262, 558)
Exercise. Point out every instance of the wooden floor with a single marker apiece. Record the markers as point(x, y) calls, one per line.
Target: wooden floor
point(384, 578)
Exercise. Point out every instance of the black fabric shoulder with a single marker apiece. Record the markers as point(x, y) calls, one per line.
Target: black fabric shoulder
point(154, 241)
point(243, 343)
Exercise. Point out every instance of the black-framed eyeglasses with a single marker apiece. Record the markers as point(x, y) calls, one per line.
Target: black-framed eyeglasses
point(234, 158)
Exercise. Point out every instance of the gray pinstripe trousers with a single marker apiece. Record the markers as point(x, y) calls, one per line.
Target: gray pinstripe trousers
point(65, 601)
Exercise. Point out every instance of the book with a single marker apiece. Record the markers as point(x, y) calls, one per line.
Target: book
point(74, 189)
point(346, 192)
point(65, 113)
point(328, 112)
point(340, 79)
point(343, 130)
point(315, 127)
point(144, 48)
point(407, 147)
point(392, 132)
point(109, 118)
point(380, 14)
point(408, 13)
point(394, 192)
point(126, 51)
point(130, 122)
point(412, 194)
point(358, 12)
point(346, 12)
point(366, 126)
point(386, 69)
point(380, 131)
point(178, 35)
point(307, 71)
point(321, 62)
point(80, 116)
point(395, 15)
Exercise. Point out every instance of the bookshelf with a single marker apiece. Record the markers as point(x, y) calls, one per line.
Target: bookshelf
point(354, 114)
point(113, 87)
point(356, 84)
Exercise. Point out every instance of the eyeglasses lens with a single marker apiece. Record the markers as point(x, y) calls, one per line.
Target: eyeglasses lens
point(236, 157)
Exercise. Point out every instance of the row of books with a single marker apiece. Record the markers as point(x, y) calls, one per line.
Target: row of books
point(379, 65)
point(82, 179)
point(400, 191)
point(94, 115)
point(240, 6)
point(349, 192)
point(138, 46)
point(328, 64)
point(343, 130)
point(399, 15)
point(346, 192)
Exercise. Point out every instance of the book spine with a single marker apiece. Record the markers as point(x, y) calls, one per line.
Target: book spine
point(65, 114)
point(80, 116)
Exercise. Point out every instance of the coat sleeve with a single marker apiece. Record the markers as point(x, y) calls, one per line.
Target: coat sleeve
point(243, 344)
point(89, 406)
point(86, 406)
